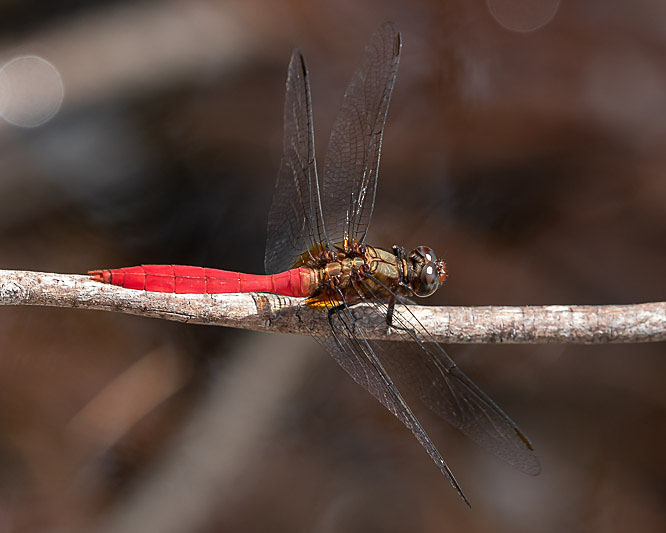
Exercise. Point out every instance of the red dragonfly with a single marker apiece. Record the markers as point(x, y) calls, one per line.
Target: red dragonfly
point(316, 249)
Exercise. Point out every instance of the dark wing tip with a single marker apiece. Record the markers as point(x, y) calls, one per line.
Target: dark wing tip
point(464, 499)
point(296, 54)
point(298, 59)
point(532, 467)
point(524, 438)
point(527, 464)
point(304, 67)
point(390, 28)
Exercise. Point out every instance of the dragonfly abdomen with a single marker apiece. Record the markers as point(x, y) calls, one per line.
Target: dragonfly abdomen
point(181, 279)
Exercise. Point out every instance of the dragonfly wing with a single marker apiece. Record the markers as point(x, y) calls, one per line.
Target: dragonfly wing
point(351, 349)
point(422, 367)
point(294, 220)
point(354, 148)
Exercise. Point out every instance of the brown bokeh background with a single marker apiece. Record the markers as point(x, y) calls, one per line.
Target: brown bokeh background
point(533, 161)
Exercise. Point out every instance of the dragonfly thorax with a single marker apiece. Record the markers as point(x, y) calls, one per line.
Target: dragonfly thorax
point(361, 271)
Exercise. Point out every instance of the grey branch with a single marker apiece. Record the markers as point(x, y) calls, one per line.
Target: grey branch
point(586, 324)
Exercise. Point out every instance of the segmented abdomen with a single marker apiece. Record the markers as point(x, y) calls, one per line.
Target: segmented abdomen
point(197, 280)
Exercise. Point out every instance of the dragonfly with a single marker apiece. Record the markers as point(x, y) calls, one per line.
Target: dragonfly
point(316, 249)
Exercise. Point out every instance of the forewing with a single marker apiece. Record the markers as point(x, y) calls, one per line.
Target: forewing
point(420, 365)
point(294, 220)
point(354, 148)
point(351, 349)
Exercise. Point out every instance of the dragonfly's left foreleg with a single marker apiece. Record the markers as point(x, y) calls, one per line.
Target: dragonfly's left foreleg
point(404, 327)
point(389, 312)
point(389, 318)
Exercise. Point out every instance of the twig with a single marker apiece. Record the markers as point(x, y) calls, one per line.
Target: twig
point(586, 324)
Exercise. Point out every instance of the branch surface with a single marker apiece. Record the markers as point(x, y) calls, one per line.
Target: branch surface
point(582, 324)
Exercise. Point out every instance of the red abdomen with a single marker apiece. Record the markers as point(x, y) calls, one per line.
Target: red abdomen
point(180, 279)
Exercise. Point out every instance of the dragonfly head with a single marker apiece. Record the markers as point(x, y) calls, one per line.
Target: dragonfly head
point(427, 271)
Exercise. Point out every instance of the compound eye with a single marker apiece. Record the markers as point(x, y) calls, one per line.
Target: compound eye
point(428, 281)
point(426, 253)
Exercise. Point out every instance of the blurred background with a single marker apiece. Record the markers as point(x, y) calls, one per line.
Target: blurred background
point(526, 143)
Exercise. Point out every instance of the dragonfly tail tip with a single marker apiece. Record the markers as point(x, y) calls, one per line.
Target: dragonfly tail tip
point(99, 275)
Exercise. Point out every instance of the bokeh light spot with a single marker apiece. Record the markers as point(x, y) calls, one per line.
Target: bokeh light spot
point(31, 91)
point(523, 15)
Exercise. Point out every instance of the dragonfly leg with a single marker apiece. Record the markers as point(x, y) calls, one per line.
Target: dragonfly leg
point(403, 271)
point(338, 307)
point(389, 312)
point(389, 319)
point(399, 252)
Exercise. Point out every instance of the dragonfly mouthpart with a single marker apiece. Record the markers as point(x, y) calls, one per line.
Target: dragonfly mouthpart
point(441, 270)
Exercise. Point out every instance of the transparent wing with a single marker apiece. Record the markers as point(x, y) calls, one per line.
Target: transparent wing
point(294, 220)
point(420, 366)
point(354, 148)
point(351, 349)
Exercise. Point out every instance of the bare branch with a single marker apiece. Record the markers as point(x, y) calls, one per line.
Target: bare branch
point(586, 324)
